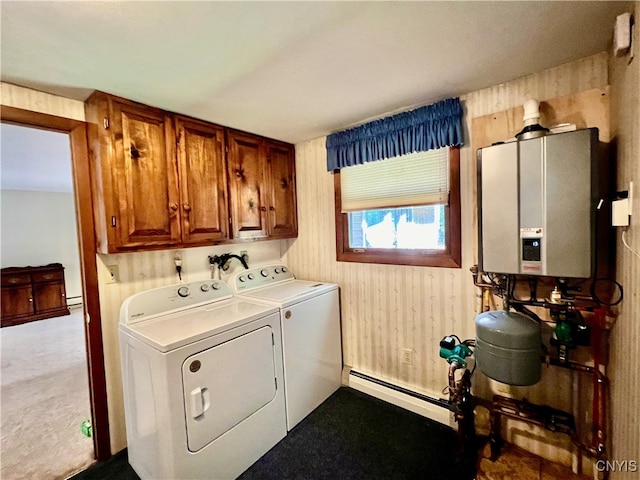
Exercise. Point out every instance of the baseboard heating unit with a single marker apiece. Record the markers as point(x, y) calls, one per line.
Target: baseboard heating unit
point(426, 405)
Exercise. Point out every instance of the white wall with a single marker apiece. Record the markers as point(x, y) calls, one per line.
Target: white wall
point(38, 228)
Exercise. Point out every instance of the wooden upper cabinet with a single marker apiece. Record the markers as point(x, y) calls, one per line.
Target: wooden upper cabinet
point(282, 214)
point(161, 180)
point(246, 164)
point(261, 187)
point(146, 176)
point(203, 182)
point(135, 181)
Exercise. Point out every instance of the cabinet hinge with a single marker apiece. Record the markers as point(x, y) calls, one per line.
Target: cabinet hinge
point(229, 220)
point(226, 148)
point(106, 123)
point(113, 221)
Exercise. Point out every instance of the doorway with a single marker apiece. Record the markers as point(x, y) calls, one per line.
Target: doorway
point(76, 132)
point(44, 364)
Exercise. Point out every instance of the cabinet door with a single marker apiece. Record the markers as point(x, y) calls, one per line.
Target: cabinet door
point(49, 296)
point(246, 162)
point(282, 216)
point(145, 177)
point(17, 301)
point(203, 182)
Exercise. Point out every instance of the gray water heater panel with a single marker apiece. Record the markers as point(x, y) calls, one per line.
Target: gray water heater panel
point(499, 225)
point(537, 205)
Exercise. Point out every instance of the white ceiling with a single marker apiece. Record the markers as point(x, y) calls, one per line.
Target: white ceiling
point(292, 70)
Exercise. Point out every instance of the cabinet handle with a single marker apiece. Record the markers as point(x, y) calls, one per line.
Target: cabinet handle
point(186, 207)
point(272, 208)
point(135, 154)
point(263, 209)
point(31, 299)
point(173, 206)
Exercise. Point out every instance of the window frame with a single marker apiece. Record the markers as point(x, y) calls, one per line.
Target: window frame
point(450, 257)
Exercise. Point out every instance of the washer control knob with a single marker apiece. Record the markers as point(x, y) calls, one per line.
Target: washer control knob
point(215, 286)
point(284, 269)
point(250, 276)
point(277, 270)
point(183, 291)
point(241, 278)
point(204, 287)
point(264, 272)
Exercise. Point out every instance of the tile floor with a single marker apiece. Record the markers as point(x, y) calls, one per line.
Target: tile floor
point(517, 464)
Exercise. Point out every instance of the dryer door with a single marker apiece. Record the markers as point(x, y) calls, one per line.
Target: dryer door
point(226, 384)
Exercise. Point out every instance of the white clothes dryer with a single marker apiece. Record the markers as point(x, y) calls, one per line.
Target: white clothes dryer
point(203, 381)
point(311, 338)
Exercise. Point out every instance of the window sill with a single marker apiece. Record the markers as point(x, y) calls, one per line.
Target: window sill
point(416, 258)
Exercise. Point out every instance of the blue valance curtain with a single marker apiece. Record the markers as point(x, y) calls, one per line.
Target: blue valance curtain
point(425, 128)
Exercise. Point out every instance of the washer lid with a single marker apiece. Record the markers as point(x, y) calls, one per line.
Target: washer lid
point(168, 332)
point(287, 293)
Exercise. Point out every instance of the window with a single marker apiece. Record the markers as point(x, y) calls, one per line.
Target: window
point(395, 216)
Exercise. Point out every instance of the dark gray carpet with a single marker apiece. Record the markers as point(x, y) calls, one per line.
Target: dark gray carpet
point(350, 436)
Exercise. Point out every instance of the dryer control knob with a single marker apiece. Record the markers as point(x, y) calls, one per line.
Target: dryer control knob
point(183, 291)
point(215, 286)
point(284, 269)
point(250, 276)
point(204, 287)
point(264, 272)
point(241, 278)
point(277, 270)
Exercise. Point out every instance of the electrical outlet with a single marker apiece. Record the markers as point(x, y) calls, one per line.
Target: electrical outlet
point(114, 274)
point(407, 356)
point(244, 254)
point(630, 198)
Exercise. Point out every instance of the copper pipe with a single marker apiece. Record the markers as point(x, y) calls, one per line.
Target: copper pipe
point(598, 439)
point(452, 381)
point(485, 287)
point(475, 271)
point(570, 364)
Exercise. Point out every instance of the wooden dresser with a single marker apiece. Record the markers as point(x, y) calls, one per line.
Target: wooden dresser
point(32, 293)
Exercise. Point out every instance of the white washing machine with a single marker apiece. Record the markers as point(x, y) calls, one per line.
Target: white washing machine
point(311, 339)
point(203, 381)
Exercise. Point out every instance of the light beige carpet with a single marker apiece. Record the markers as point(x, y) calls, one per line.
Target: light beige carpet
point(44, 398)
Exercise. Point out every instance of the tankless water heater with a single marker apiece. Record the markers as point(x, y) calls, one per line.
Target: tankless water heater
point(537, 205)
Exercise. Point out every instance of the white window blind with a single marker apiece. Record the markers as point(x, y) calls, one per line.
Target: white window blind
point(420, 178)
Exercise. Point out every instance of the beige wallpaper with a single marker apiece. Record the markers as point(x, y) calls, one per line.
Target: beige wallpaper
point(387, 308)
point(27, 99)
point(625, 340)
